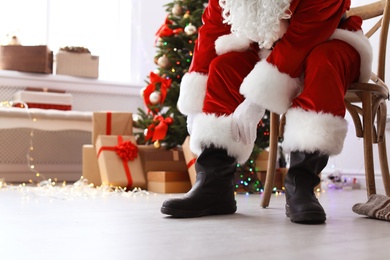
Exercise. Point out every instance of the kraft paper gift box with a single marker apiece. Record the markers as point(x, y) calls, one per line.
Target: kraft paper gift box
point(262, 161)
point(160, 159)
point(37, 59)
point(77, 64)
point(116, 170)
point(90, 165)
point(190, 159)
point(168, 182)
point(111, 123)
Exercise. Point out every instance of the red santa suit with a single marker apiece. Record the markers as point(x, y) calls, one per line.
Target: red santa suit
point(303, 69)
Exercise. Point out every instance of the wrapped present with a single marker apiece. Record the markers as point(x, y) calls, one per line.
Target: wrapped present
point(160, 159)
point(168, 182)
point(43, 100)
point(77, 64)
point(111, 123)
point(280, 174)
point(119, 162)
point(190, 160)
point(262, 161)
point(38, 59)
point(90, 165)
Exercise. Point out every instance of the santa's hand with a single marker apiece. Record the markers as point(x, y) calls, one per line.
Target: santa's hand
point(245, 119)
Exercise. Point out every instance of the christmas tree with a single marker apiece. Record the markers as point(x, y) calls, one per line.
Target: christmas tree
point(162, 122)
point(175, 40)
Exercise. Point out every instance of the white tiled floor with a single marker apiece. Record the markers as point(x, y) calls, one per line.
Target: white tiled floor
point(37, 225)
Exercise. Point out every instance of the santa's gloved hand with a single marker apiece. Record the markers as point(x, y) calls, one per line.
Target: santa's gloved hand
point(245, 119)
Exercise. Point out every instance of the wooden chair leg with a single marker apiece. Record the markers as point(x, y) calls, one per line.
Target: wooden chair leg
point(273, 149)
point(367, 142)
point(384, 165)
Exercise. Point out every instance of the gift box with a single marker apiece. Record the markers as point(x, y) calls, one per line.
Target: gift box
point(77, 64)
point(90, 165)
point(38, 59)
point(160, 159)
point(280, 174)
point(111, 123)
point(190, 159)
point(119, 161)
point(262, 161)
point(44, 100)
point(168, 182)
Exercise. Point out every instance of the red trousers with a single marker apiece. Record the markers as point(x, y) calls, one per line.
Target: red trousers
point(328, 70)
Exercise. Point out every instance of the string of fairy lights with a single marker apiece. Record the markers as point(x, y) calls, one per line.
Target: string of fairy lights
point(51, 187)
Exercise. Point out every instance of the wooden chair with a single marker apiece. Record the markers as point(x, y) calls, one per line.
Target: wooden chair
point(366, 102)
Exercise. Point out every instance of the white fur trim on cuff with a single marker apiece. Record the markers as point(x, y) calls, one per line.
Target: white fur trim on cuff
point(192, 93)
point(362, 45)
point(208, 129)
point(309, 131)
point(231, 42)
point(266, 86)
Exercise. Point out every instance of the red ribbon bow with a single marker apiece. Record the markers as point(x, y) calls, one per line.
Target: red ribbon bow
point(165, 30)
point(159, 128)
point(126, 150)
point(156, 81)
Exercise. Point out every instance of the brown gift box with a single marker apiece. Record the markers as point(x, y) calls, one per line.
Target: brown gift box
point(111, 123)
point(168, 182)
point(38, 59)
point(115, 171)
point(154, 159)
point(262, 161)
point(90, 165)
point(190, 160)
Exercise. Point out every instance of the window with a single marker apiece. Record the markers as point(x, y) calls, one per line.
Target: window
point(114, 30)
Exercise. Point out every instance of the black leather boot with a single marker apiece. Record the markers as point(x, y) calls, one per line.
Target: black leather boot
point(213, 191)
point(302, 205)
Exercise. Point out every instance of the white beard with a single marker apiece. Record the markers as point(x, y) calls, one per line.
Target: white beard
point(261, 21)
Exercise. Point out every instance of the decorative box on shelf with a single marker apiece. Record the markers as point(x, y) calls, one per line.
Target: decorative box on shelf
point(38, 59)
point(77, 64)
point(43, 100)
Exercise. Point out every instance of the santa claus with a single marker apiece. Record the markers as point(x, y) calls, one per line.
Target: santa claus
point(296, 57)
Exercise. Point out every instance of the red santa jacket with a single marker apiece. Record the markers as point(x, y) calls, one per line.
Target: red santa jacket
point(284, 65)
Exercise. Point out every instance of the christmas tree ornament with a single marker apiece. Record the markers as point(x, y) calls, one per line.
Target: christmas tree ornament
point(155, 98)
point(186, 15)
point(163, 62)
point(190, 29)
point(157, 144)
point(141, 92)
point(177, 10)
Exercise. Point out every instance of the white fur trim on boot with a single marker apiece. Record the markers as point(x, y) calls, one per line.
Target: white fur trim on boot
point(266, 86)
point(231, 42)
point(309, 131)
point(361, 43)
point(208, 129)
point(192, 93)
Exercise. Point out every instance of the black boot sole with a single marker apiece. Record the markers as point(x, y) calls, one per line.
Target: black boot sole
point(309, 217)
point(220, 210)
